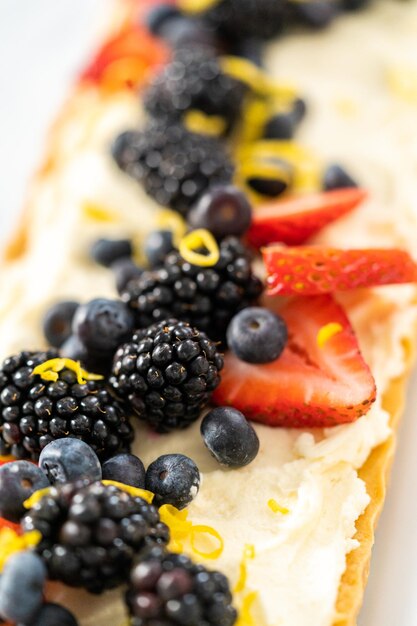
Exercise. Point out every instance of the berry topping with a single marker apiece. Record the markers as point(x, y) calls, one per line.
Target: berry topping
point(223, 210)
point(206, 297)
point(174, 479)
point(157, 245)
point(159, 15)
point(283, 125)
point(316, 13)
point(107, 251)
point(230, 438)
point(91, 533)
point(310, 384)
point(54, 615)
point(38, 408)
point(312, 270)
point(103, 324)
point(170, 589)
point(125, 468)
point(57, 322)
point(18, 480)
point(21, 587)
point(167, 374)
point(335, 177)
point(294, 220)
point(174, 165)
point(125, 270)
point(68, 460)
point(257, 335)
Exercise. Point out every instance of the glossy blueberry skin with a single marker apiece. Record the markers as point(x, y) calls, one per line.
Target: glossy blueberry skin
point(223, 210)
point(182, 30)
point(174, 479)
point(158, 16)
point(54, 615)
point(317, 13)
point(157, 245)
point(125, 468)
point(18, 480)
point(124, 271)
point(106, 251)
point(230, 438)
point(69, 459)
point(257, 335)
point(335, 177)
point(57, 322)
point(21, 587)
point(102, 324)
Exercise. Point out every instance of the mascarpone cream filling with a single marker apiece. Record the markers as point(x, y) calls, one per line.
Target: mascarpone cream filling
point(360, 80)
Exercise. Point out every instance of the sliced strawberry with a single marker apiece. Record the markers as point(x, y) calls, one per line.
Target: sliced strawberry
point(294, 220)
point(312, 383)
point(312, 270)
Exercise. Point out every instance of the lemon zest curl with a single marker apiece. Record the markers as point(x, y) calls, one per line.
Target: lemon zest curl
point(49, 370)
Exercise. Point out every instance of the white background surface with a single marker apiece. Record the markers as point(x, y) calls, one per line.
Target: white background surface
point(42, 44)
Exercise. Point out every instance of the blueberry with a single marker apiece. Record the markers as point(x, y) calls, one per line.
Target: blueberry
point(257, 335)
point(299, 109)
point(280, 126)
point(251, 49)
point(158, 17)
point(157, 245)
point(224, 210)
point(54, 615)
point(67, 460)
point(107, 251)
point(335, 177)
point(125, 468)
point(275, 184)
point(317, 13)
point(18, 480)
point(103, 324)
point(95, 361)
point(124, 271)
point(186, 31)
point(57, 322)
point(174, 479)
point(229, 437)
point(21, 587)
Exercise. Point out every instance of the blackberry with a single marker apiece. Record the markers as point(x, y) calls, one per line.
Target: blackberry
point(174, 165)
point(91, 532)
point(35, 411)
point(205, 297)
point(170, 589)
point(194, 80)
point(167, 374)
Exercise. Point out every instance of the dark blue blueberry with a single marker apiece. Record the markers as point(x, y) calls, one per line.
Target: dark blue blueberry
point(157, 245)
point(125, 270)
point(184, 31)
point(125, 468)
point(354, 5)
point(174, 479)
point(21, 587)
point(57, 322)
point(257, 335)
point(251, 49)
point(299, 109)
point(54, 615)
point(93, 361)
point(107, 251)
point(335, 177)
point(274, 184)
point(317, 13)
point(68, 459)
point(283, 125)
point(103, 324)
point(18, 480)
point(230, 438)
point(223, 210)
point(158, 17)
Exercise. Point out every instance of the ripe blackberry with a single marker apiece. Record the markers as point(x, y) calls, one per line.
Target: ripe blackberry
point(167, 373)
point(174, 165)
point(35, 411)
point(91, 533)
point(205, 297)
point(170, 589)
point(194, 80)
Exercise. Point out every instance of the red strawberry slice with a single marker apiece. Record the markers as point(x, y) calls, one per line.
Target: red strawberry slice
point(294, 220)
point(312, 384)
point(312, 270)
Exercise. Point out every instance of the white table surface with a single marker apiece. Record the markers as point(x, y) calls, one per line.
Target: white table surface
point(42, 44)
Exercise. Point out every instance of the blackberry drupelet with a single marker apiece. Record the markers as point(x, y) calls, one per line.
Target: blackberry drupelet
point(194, 80)
point(174, 165)
point(35, 411)
point(91, 533)
point(205, 297)
point(170, 589)
point(167, 374)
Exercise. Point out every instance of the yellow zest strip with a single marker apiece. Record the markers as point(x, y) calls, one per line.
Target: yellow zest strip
point(245, 614)
point(11, 542)
point(199, 238)
point(207, 530)
point(170, 220)
point(99, 213)
point(277, 508)
point(248, 73)
point(196, 6)
point(49, 370)
point(248, 553)
point(132, 491)
point(36, 497)
point(327, 331)
point(198, 122)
